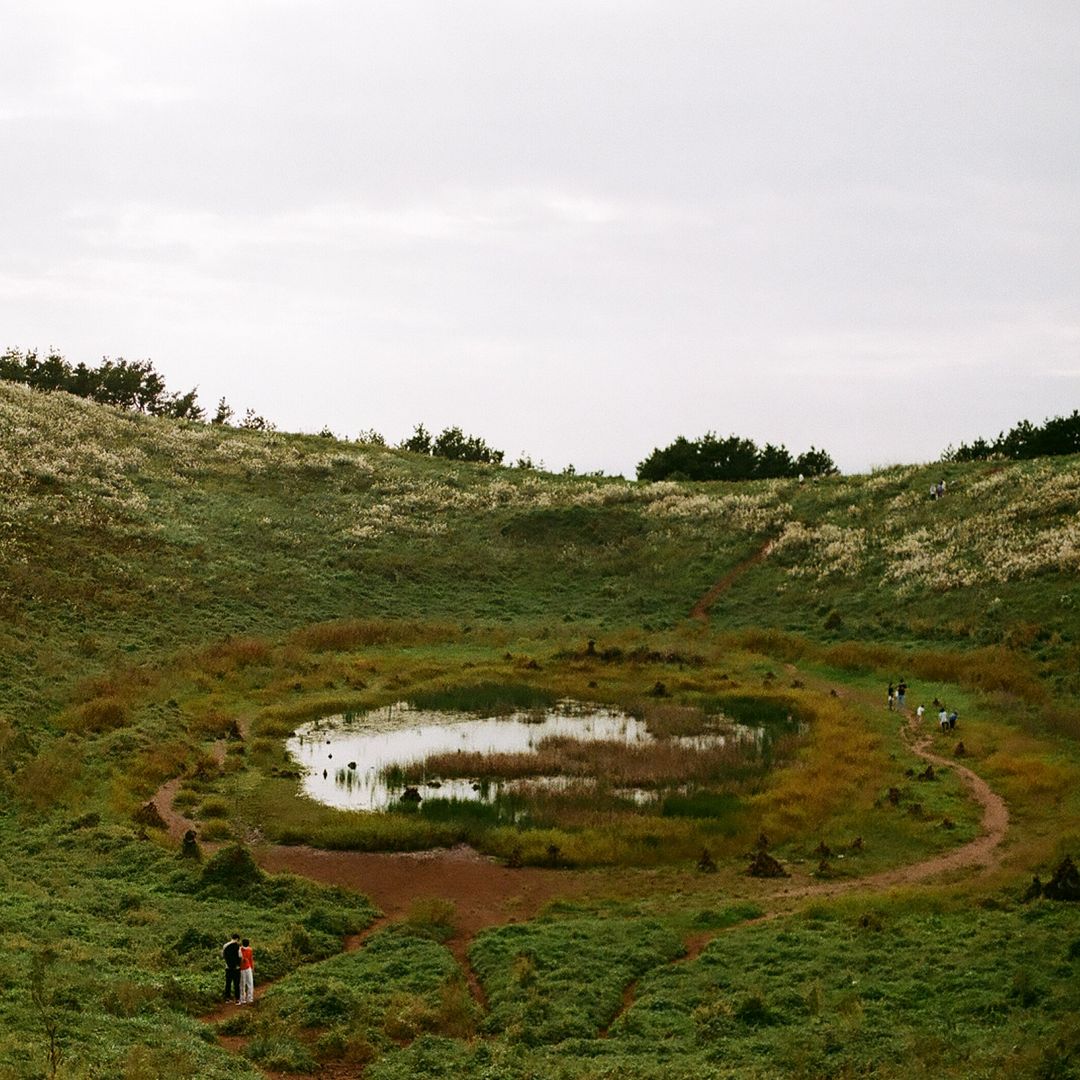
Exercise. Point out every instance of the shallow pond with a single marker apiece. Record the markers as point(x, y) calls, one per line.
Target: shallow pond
point(347, 758)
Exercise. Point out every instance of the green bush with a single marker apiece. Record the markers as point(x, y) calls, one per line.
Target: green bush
point(231, 868)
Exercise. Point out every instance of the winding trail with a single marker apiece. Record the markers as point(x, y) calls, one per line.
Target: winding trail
point(701, 609)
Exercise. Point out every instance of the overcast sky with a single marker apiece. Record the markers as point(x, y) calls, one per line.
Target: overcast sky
point(577, 229)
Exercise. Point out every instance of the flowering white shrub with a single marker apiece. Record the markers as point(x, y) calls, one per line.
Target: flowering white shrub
point(820, 551)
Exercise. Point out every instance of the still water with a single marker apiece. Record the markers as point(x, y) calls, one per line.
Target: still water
point(346, 758)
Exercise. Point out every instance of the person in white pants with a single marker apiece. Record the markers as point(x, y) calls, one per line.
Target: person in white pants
point(247, 973)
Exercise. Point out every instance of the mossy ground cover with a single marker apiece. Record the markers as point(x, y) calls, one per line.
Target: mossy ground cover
point(893, 988)
point(163, 583)
point(127, 939)
point(356, 1007)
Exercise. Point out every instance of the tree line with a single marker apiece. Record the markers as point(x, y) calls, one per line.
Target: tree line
point(732, 458)
point(1054, 437)
point(137, 386)
point(126, 384)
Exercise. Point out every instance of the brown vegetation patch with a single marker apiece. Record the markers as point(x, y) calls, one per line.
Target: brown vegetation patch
point(99, 714)
point(1065, 884)
point(149, 816)
point(353, 633)
point(648, 765)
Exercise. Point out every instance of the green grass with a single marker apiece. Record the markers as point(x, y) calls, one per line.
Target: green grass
point(549, 981)
point(356, 1006)
point(131, 939)
point(887, 989)
point(163, 584)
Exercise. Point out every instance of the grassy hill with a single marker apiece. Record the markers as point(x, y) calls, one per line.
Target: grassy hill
point(123, 532)
point(161, 579)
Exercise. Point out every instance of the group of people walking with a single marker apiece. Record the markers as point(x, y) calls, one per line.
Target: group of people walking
point(946, 718)
point(896, 695)
point(239, 960)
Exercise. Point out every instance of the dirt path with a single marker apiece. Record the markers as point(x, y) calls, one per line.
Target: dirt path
point(982, 854)
point(701, 609)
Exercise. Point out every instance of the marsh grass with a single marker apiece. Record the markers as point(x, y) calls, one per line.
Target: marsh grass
point(433, 917)
point(98, 715)
point(651, 765)
point(485, 699)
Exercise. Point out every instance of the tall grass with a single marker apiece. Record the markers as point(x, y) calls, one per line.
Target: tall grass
point(843, 768)
point(648, 765)
point(345, 635)
point(486, 699)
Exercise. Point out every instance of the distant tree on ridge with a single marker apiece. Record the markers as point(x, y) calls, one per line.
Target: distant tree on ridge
point(732, 458)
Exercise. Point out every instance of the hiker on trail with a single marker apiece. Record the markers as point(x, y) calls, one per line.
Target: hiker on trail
point(919, 713)
point(247, 974)
point(941, 489)
point(901, 690)
point(952, 719)
point(892, 696)
point(230, 953)
point(943, 719)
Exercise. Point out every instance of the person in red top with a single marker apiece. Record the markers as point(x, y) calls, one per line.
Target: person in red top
point(247, 973)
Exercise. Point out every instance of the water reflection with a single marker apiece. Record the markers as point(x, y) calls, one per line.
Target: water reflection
point(349, 760)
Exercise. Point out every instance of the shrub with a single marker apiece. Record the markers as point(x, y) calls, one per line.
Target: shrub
point(127, 998)
point(237, 653)
point(328, 921)
point(100, 714)
point(432, 917)
point(281, 1053)
point(233, 867)
point(215, 807)
point(345, 1046)
point(212, 724)
point(216, 829)
point(44, 780)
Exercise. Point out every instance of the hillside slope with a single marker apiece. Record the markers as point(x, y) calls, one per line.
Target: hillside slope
point(127, 536)
point(175, 598)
